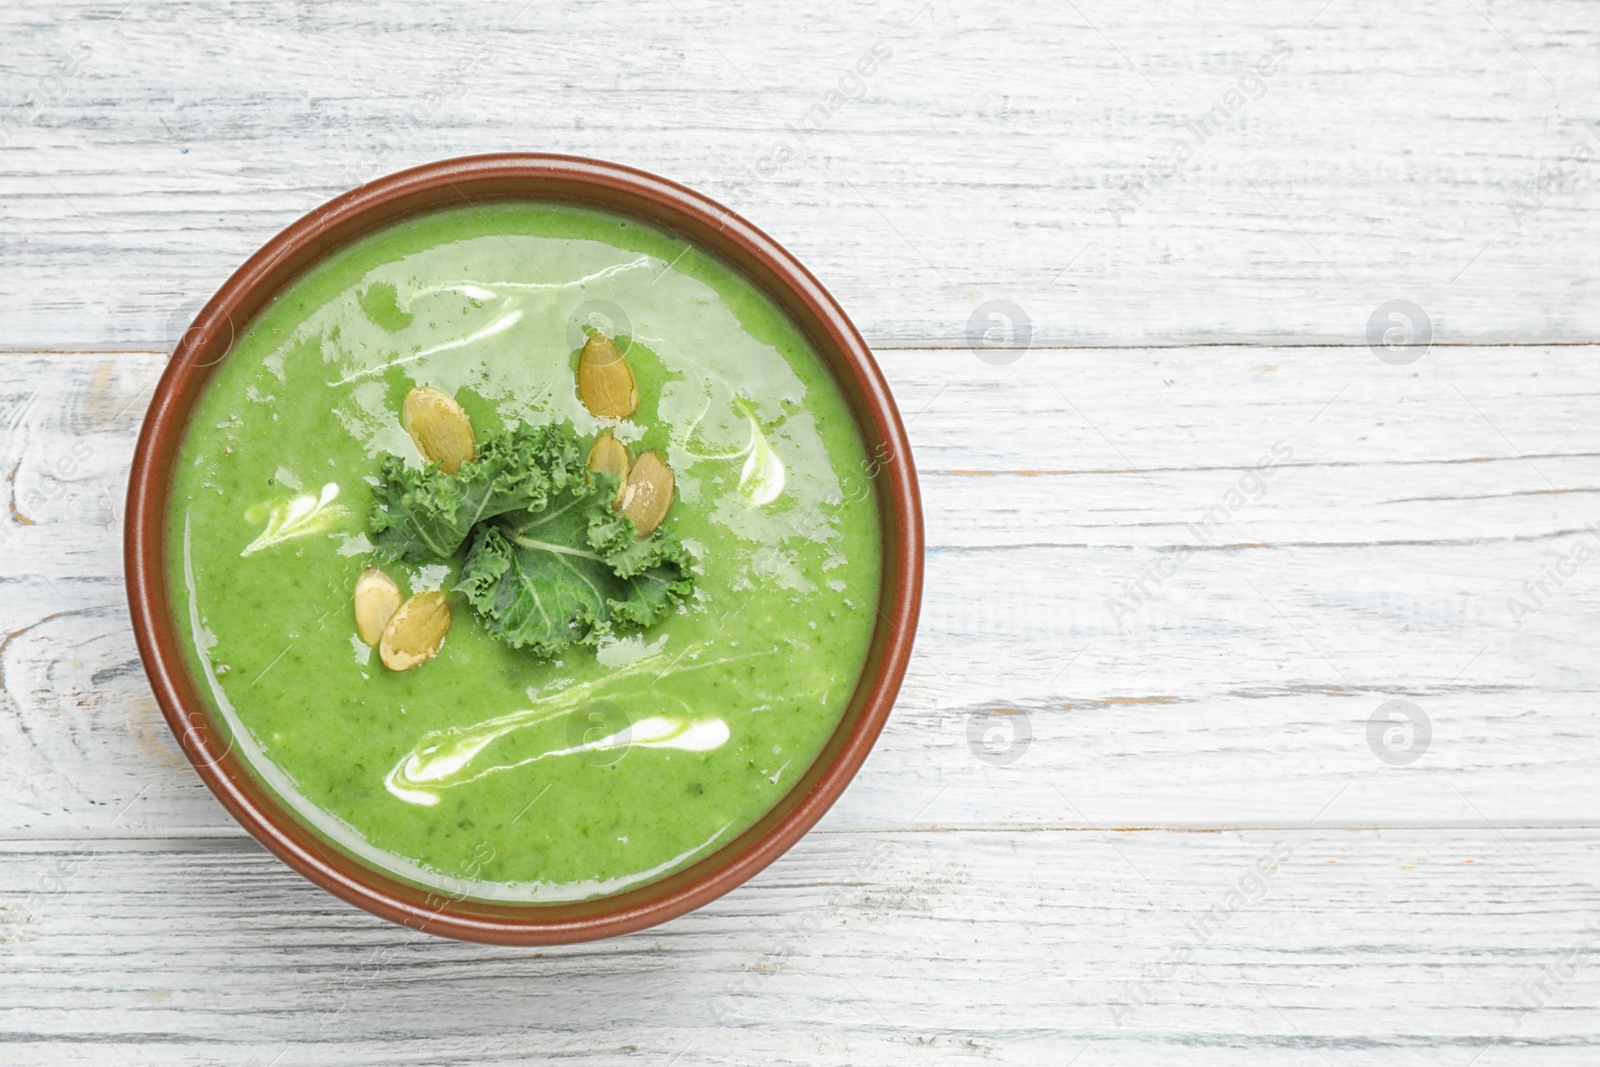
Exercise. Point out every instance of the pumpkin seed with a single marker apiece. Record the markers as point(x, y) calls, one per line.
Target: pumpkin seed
point(377, 598)
point(416, 632)
point(610, 456)
point(605, 381)
point(647, 494)
point(440, 428)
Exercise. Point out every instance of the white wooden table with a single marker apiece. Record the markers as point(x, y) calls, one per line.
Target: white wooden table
point(1162, 829)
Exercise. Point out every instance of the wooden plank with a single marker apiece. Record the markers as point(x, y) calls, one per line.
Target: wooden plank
point(919, 948)
point(1018, 152)
point(1377, 565)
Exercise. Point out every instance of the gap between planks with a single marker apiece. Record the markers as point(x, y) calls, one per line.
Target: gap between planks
point(942, 345)
point(224, 836)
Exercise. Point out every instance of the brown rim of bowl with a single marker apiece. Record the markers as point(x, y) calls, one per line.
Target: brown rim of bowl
point(464, 182)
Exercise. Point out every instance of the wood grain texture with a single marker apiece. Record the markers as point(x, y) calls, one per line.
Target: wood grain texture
point(1442, 152)
point(914, 949)
point(1376, 563)
point(1187, 533)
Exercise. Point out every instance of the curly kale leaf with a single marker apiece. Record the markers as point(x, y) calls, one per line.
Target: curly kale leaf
point(570, 571)
point(426, 515)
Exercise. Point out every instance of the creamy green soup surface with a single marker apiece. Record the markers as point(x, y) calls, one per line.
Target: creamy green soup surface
point(488, 772)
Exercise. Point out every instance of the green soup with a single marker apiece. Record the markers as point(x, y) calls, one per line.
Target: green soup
point(487, 772)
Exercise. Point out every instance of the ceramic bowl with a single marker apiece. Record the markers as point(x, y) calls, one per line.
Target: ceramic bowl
point(477, 180)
